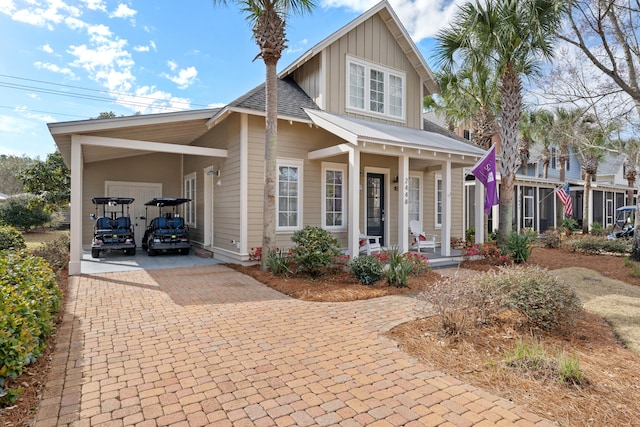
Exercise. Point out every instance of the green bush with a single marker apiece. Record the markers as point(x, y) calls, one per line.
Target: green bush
point(316, 250)
point(401, 265)
point(550, 239)
point(520, 246)
point(11, 238)
point(598, 230)
point(23, 212)
point(366, 268)
point(597, 244)
point(55, 252)
point(278, 262)
point(29, 299)
point(570, 224)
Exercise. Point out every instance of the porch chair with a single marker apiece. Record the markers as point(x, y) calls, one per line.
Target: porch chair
point(422, 239)
point(369, 244)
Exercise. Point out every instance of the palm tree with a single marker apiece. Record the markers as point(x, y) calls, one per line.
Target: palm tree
point(268, 21)
point(508, 36)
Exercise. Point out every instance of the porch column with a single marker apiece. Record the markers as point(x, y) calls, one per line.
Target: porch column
point(75, 254)
point(479, 211)
point(590, 207)
point(445, 235)
point(403, 203)
point(353, 208)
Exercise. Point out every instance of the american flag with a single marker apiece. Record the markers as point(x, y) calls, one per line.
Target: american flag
point(565, 198)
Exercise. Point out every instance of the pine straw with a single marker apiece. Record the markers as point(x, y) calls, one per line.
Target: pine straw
point(608, 396)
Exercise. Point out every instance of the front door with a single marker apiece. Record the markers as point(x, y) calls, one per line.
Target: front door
point(375, 205)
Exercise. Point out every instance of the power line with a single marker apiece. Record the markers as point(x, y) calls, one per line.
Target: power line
point(43, 112)
point(45, 90)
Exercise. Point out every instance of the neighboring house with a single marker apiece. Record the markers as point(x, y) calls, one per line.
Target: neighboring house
point(353, 153)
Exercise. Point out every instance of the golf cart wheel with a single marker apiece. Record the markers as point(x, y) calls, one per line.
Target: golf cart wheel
point(129, 251)
point(151, 251)
point(95, 253)
point(184, 251)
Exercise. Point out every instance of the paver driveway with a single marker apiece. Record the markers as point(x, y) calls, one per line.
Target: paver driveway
point(209, 346)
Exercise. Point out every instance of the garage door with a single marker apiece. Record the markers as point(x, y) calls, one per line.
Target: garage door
point(142, 192)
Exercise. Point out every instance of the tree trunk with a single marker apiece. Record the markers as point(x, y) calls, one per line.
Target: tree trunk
point(510, 113)
point(270, 173)
point(585, 203)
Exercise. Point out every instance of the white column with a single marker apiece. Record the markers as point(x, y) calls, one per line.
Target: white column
point(354, 201)
point(590, 207)
point(244, 184)
point(479, 212)
point(75, 255)
point(445, 237)
point(403, 203)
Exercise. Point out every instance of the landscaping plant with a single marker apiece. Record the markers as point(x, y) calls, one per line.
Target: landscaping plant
point(401, 265)
point(366, 268)
point(278, 262)
point(520, 246)
point(11, 238)
point(597, 244)
point(315, 251)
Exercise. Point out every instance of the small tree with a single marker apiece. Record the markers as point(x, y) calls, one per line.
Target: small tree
point(23, 212)
point(50, 180)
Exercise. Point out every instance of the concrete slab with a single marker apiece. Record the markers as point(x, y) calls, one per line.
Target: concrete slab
point(115, 262)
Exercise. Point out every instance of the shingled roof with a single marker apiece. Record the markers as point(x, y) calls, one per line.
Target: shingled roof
point(291, 100)
point(429, 126)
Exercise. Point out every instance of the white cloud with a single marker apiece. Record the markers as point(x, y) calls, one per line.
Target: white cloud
point(95, 5)
point(24, 111)
point(54, 68)
point(46, 48)
point(55, 13)
point(75, 23)
point(298, 47)
point(123, 11)
point(421, 18)
point(184, 78)
point(173, 65)
point(14, 124)
point(141, 48)
point(149, 100)
point(7, 7)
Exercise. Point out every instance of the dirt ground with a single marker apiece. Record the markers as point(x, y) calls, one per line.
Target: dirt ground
point(609, 395)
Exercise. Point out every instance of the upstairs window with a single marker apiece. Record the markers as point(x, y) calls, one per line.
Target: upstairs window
point(375, 89)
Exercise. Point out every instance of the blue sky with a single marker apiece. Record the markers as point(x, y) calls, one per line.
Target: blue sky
point(66, 60)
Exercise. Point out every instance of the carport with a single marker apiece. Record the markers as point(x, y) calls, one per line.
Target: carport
point(89, 141)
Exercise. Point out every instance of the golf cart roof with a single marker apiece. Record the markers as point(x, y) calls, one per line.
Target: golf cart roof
point(626, 208)
point(112, 200)
point(166, 201)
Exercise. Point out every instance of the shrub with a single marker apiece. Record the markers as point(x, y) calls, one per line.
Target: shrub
point(596, 245)
point(520, 246)
point(316, 250)
point(29, 298)
point(470, 235)
point(278, 262)
point(11, 238)
point(401, 265)
point(255, 254)
point(366, 268)
point(23, 212)
point(489, 251)
point(550, 239)
point(598, 230)
point(55, 252)
point(540, 297)
point(569, 224)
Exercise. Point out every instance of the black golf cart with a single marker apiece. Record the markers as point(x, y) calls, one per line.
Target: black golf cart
point(166, 232)
point(113, 230)
point(624, 227)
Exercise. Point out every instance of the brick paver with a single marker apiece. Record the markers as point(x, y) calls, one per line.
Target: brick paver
point(209, 346)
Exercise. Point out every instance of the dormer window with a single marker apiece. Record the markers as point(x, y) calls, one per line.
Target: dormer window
point(375, 90)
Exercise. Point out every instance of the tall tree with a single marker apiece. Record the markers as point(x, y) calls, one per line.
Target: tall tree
point(50, 180)
point(11, 167)
point(510, 36)
point(268, 21)
point(607, 34)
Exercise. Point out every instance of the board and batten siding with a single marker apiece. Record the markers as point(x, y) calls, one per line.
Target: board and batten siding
point(308, 77)
point(157, 168)
point(372, 42)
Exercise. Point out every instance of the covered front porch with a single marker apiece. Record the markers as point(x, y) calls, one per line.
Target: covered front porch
point(388, 168)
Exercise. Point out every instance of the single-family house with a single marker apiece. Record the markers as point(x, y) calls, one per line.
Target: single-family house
point(354, 155)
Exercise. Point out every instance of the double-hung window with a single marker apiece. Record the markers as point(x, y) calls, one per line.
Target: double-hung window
point(415, 198)
point(190, 193)
point(334, 196)
point(375, 89)
point(289, 195)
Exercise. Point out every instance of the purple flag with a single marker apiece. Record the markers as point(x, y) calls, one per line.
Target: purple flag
point(485, 172)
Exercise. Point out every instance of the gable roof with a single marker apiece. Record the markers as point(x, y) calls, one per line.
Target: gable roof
point(395, 28)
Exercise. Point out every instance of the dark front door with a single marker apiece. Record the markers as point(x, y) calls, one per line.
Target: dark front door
point(375, 205)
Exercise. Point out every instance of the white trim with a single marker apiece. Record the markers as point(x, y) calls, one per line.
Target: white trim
point(244, 183)
point(208, 201)
point(161, 147)
point(293, 163)
point(77, 172)
point(336, 167)
point(190, 214)
point(420, 176)
point(386, 71)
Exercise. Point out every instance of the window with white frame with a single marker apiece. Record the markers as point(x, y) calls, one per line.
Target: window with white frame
point(375, 89)
point(289, 195)
point(438, 199)
point(334, 196)
point(415, 199)
point(190, 193)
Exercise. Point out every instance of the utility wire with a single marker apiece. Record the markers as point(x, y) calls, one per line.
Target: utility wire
point(43, 112)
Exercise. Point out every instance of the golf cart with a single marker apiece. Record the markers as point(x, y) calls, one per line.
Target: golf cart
point(113, 230)
point(624, 226)
point(167, 231)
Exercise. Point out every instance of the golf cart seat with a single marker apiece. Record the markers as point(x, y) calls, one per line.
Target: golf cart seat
point(104, 225)
point(123, 224)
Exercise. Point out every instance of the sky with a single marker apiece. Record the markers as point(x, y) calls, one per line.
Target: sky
point(68, 60)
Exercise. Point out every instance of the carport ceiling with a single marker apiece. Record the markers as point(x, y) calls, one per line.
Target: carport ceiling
point(172, 128)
